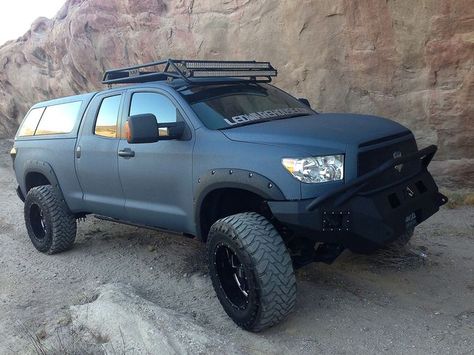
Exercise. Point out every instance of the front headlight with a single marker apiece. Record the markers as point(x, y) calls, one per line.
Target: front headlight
point(316, 169)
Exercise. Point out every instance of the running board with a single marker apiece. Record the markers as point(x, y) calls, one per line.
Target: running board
point(163, 230)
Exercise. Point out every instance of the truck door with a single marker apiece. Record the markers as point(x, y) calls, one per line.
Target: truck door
point(96, 156)
point(157, 179)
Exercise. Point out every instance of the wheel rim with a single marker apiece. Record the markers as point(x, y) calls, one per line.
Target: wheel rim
point(232, 276)
point(38, 222)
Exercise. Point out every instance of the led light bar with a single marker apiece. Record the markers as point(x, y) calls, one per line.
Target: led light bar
point(233, 73)
point(227, 65)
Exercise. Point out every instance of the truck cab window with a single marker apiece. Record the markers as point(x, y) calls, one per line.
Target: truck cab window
point(159, 105)
point(106, 123)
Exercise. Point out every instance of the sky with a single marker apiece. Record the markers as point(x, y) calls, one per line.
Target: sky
point(17, 16)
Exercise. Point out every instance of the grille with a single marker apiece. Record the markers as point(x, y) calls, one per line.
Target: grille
point(373, 158)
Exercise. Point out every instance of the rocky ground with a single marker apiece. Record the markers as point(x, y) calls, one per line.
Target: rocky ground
point(128, 290)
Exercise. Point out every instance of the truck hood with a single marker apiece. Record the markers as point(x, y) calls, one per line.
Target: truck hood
point(321, 132)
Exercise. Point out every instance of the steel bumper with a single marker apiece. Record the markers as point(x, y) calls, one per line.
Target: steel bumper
point(355, 211)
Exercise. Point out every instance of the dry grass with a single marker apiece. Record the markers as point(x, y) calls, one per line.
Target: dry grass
point(459, 198)
point(64, 341)
point(469, 199)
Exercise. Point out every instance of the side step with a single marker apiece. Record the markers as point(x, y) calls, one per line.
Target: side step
point(163, 230)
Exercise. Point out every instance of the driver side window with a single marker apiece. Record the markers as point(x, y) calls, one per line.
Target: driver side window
point(159, 105)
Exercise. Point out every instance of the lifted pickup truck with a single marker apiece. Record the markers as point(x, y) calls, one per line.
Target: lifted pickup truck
point(212, 150)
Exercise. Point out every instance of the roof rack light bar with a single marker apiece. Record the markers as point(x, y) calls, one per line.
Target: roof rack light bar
point(190, 69)
point(232, 73)
point(227, 65)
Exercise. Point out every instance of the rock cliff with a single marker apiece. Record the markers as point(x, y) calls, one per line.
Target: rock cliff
point(407, 60)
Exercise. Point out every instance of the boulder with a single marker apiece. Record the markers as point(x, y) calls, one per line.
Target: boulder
point(122, 321)
point(411, 61)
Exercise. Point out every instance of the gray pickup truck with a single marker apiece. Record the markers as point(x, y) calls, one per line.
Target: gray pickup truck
point(212, 150)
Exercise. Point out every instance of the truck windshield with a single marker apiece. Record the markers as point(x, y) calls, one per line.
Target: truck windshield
point(227, 106)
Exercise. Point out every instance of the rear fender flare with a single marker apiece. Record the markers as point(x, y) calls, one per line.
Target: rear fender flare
point(41, 167)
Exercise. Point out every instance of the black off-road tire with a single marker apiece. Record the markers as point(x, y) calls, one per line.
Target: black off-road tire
point(367, 247)
point(264, 259)
point(50, 225)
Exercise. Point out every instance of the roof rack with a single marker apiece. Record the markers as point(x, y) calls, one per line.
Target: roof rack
point(189, 70)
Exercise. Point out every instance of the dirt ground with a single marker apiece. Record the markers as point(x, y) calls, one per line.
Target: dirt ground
point(419, 300)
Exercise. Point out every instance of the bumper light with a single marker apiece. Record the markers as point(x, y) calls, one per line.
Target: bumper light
point(316, 169)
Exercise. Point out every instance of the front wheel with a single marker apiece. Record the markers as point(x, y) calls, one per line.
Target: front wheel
point(251, 270)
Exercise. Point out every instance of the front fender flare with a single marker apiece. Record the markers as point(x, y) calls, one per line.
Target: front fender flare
point(236, 179)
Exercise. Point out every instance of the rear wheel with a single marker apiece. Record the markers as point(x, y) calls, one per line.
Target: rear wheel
point(251, 270)
point(50, 225)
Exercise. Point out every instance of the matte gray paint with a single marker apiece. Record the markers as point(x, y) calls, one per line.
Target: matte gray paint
point(56, 154)
point(149, 181)
point(164, 184)
point(97, 167)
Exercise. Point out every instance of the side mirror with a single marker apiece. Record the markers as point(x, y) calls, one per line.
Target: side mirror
point(141, 129)
point(304, 101)
point(145, 129)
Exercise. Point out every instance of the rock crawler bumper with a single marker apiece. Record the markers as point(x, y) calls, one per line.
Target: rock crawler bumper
point(354, 212)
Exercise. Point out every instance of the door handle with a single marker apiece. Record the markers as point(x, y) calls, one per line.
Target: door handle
point(126, 153)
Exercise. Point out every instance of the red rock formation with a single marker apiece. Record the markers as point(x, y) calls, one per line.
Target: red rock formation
point(408, 60)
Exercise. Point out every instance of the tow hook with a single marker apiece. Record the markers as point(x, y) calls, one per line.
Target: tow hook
point(325, 253)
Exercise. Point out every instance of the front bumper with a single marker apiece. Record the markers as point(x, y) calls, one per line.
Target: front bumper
point(354, 213)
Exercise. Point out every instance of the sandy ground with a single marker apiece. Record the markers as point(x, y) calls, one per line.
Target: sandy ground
point(389, 303)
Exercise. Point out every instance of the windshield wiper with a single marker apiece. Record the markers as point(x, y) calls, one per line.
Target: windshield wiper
point(266, 120)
